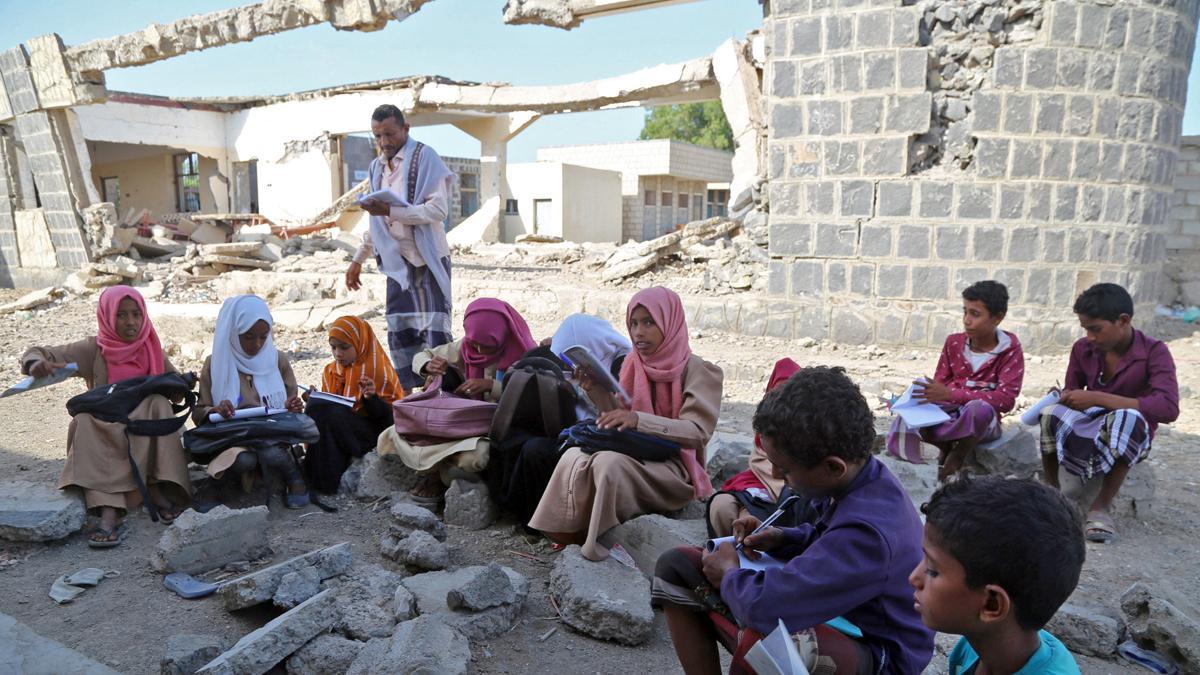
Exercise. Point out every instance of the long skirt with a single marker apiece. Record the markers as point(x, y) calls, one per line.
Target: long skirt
point(345, 435)
point(594, 493)
point(98, 462)
point(1091, 442)
point(678, 580)
point(417, 319)
point(975, 419)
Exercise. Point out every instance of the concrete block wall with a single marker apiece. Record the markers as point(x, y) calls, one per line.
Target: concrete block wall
point(9, 254)
point(906, 162)
point(1183, 223)
point(42, 134)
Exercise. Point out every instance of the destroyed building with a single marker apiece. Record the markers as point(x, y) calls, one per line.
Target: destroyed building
point(888, 152)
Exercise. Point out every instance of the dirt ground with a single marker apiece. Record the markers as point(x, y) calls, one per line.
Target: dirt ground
point(126, 621)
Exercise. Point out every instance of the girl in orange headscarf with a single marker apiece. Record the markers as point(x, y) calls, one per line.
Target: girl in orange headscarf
point(361, 372)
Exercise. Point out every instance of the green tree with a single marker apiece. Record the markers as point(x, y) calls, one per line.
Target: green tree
point(698, 123)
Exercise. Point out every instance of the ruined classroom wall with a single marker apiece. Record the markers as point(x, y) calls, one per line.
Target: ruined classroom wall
point(1183, 226)
point(915, 147)
point(149, 183)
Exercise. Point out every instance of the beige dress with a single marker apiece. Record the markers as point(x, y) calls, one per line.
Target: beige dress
point(595, 493)
point(97, 459)
point(452, 352)
point(250, 399)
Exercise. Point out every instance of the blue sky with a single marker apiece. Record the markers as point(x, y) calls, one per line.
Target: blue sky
point(459, 39)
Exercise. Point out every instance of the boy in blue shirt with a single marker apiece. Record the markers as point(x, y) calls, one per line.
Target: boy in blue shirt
point(1001, 556)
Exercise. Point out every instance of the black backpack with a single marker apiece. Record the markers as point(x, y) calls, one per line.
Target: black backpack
point(114, 402)
point(535, 398)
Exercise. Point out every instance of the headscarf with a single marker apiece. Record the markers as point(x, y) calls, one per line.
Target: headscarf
point(372, 362)
point(142, 356)
point(592, 332)
point(493, 323)
point(784, 369)
point(662, 371)
point(237, 316)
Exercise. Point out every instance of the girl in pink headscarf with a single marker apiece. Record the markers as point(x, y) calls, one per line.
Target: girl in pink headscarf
point(125, 346)
point(676, 396)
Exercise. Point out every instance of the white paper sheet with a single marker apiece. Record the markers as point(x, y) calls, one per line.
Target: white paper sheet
point(244, 413)
point(30, 383)
point(387, 196)
point(776, 654)
point(918, 414)
point(1033, 416)
point(764, 561)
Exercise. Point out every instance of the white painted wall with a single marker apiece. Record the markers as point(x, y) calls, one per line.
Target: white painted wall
point(201, 131)
point(585, 202)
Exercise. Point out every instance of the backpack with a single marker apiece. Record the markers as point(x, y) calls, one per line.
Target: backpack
point(441, 414)
point(114, 402)
point(207, 441)
point(643, 447)
point(535, 398)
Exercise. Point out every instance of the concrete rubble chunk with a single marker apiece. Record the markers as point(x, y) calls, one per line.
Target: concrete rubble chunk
point(605, 600)
point(325, 654)
point(425, 645)
point(34, 512)
point(727, 455)
point(918, 480)
point(296, 587)
point(647, 537)
point(409, 517)
point(261, 586)
point(1162, 622)
point(364, 602)
point(1087, 631)
point(381, 476)
point(490, 587)
point(1014, 454)
point(198, 542)
point(24, 651)
point(186, 653)
point(404, 604)
point(419, 549)
point(32, 300)
point(259, 651)
point(430, 590)
point(1135, 499)
point(470, 505)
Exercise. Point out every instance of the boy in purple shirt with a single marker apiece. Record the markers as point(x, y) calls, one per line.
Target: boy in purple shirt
point(1120, 386)
point(852, 562)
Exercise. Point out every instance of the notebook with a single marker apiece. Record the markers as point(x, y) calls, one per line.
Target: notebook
point(30, 383)
point(916, 413)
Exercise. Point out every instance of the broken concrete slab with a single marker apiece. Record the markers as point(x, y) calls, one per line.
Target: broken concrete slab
point(431, 589)
point(424, 645)
point(324, 654)
point(32, 300)
point(259, 651)
point(186, 653)
point(1087, 631)
point(364, 602)
point(490, 587)
point(1013, 455)
point(381, 476)
point(296, 587)
point(261, 586)
point(24, 651)
point(35, 512)
point(408, 517)
point(647, 537)
point(198, 542)
point(1163, 622)
point(727, 455)
point(605, 599)
point(419, 549)
point(404, 604)
point(470, 505)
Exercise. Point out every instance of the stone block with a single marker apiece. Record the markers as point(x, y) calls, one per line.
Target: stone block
point(1026, 159)
point(787, 120)
point(885, 156)
point(199, 542)
point(936, 199)
point(912, 68)
point(647, 537)
point(906, 25)
point(1118, 26)
point(808, 278)
point(34, 512)
point(876, 241)
point(1065, 199)
point(893, 281)
point(866, 114)
point(490, 587)
point(1014, 454)
point(296, 587)
point(913, 242)
point(839, 32)
point(1023, 244)
point(850, 327)
point(1018, 113)
point(382, 476)
point(1009, 67)
point(930, 283)
point(991, 157)
point(824, 118)
point(364, 602)
point(858, 199)
point(424, 645)
point(470, 505)
point(880, 70)
point(989, 243)
point(418, 549)
point(895, 199)
point(1064, 22)
point(1135, 498)
point(951, 242)
point(836, 239)
point(1051, 111)
point(261, 586)
point(727, 455)
point(783, 79)
point(806, 37)
point(874, 29)
point(862, 279)
point(259, 651)
point(1087, 161)
point(842, 158)
point(605, 599)
point(186, 653)
point(1103, 73)
point(1056, 163)
point(909, 113)
point(408, 517)
point(1165, 622)
point(1086, 631)
point(1080, 111)
point(430, 590)
point(404, 604)
point(976, 201)
point(323, 655)
point(814, 77)
point(820, 196)
point(1072, 69)
point(787, 238)
point(1041, 67)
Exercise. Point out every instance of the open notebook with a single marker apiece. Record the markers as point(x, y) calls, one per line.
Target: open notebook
point(916, 413)
point(30, 383)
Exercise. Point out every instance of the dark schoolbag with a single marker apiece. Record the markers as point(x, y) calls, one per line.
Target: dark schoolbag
point(641, 446)
point(114, 402)
point(535, 398)
point(207, 441)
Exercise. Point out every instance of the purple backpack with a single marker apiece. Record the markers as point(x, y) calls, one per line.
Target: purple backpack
point(441, 414)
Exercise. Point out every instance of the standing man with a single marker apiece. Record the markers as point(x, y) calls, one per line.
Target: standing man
point(409, 242)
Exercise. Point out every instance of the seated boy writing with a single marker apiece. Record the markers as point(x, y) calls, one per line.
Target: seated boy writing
point(1120, 386)
point(977, 380)
point(852, 562)
point(1001, 556)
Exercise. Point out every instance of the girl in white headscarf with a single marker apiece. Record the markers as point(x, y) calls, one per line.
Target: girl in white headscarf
point(601, 339)
point(247, 371)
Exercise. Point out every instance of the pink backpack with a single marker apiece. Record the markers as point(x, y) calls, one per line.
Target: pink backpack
point(441, 414)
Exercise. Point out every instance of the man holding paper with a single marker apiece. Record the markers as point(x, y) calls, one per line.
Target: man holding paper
point(410, 187)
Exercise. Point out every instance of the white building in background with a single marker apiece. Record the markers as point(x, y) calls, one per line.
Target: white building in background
point(576, 203)
point(664, 183)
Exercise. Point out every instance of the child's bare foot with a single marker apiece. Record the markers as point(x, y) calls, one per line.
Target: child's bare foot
point(950, 465)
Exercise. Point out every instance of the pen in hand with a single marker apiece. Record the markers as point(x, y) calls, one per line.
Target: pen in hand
point(783, 506)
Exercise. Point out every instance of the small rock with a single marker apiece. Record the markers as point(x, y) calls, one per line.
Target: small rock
point(605, 600)
point(727, 455)
point(187, 653)
point(1134, 500)
point(404, 604)
point(419, 549)
point(1086, 631)
point(409, 517)
point(364, 603)
point(296, 587)
point(469, 505)
point(491, 587)
point(1014, 454)
point(431, 588)
point(424, 645)
point(1159, 620)
point(35, 512)
point(381, 476)
point(324, 654)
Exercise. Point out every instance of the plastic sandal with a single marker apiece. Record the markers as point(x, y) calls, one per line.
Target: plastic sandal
point(1145, 658)
point(187, 586)
point(119, 532)
point(296, 501)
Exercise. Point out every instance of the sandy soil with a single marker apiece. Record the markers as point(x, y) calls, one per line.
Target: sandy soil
point(126, 620)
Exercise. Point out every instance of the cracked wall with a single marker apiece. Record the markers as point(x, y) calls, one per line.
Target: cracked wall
point(915, 147)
